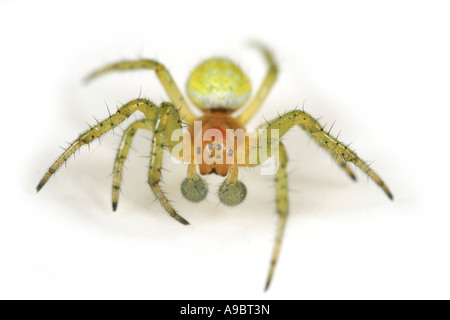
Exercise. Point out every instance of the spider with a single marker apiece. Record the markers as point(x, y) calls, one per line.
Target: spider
point(220, 89)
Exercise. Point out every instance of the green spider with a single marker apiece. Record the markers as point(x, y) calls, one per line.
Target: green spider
point(219, 88)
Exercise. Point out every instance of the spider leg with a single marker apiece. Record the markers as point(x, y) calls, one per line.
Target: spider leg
point(281, 189)
point(341, 162)
point(344, 166)
point(145, 106)
point(164, 77)
point(168, 121)
point(333, 146)
point(264, 90)
point(122, 153)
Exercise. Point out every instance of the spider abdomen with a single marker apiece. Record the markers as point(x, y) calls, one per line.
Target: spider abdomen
point(218, 83)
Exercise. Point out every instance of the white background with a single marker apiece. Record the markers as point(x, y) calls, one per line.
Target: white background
point(380, 69)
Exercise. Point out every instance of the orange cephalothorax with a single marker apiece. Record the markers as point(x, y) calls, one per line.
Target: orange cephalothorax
point(213, 144)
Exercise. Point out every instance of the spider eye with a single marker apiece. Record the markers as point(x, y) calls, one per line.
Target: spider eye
point(232, 194)
point(194, 190)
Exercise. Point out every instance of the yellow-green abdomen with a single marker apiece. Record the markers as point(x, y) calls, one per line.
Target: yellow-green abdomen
point(218, 83)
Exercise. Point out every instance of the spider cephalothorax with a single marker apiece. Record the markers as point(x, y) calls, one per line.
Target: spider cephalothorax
point(220, 89)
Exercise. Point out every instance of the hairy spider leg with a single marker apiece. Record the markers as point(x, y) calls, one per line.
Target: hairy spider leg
point(333, 146)
point(249, 111)
point(340, 161)
point(169, 121)
point(281, 195)
point(165, 119)
point(122, 153)
point(148, 108)
point(164, 77)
